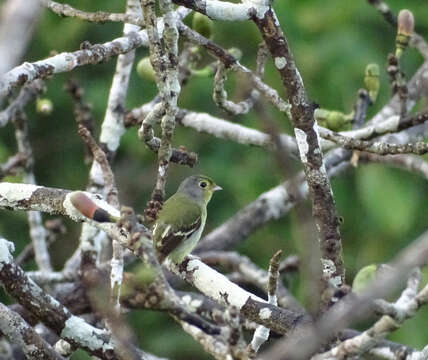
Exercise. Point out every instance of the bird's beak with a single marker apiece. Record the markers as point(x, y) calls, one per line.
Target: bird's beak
point(217, 188)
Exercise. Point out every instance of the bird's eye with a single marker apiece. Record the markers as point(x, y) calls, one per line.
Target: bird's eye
point(203, 184)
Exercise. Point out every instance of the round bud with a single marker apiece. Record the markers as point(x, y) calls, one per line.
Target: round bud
point(363, 278)
point(203, 25)
point(145, 70)
point(44, 106)
point(406, 25)
point(235, 52)
point(405, 22)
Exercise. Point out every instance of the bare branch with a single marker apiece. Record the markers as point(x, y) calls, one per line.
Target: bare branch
point(71, 328)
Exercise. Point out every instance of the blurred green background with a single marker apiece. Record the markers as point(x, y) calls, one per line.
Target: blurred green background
point(384, 209)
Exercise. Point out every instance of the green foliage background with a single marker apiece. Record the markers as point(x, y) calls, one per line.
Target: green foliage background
point(384, 209)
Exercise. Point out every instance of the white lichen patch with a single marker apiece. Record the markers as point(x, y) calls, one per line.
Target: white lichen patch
point(6, 248)
point(116, 273)
point(276, 201)
point(272, 299)
point(216, 285)
point(221, 10)
point(11, 193)
point(77, 330)
point(265, 313)
point(63, 347)
point(328, 266)
point(192, 304)
point(92, 239)
point(203, 122)
point(336, 281)
point(389, 125)
point(302, 144)
point(280, 62)
point(96, 174)
point(111, 131)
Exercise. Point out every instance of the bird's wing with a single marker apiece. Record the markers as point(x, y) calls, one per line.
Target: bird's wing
point(183, 223)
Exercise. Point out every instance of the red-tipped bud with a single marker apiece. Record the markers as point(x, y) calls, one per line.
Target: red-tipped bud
point(88, 208)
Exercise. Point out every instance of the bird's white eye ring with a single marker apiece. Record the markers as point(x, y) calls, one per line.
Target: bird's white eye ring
point(203, 184)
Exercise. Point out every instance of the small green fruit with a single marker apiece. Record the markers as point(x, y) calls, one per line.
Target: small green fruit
point(203, 25)
point(145, 70)
point(363, 278)
point(206, 72)
point(145, 275)
point(333, 120)
point(235, 52)
point(44, 106)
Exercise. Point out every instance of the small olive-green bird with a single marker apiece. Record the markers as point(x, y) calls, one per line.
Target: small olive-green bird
point(182, 218)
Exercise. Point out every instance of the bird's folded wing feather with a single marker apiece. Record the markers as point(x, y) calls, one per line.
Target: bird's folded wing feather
point(183, 223)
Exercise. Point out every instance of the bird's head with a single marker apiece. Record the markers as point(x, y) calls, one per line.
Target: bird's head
point(199, 187)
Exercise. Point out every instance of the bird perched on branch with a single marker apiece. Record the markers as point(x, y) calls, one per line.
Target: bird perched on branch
point(181, 220)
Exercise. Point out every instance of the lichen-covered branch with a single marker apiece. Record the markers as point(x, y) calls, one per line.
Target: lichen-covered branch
point(261, 334)
point(223, 129)
point(112, 130)
point(164, 59)
point(66, 10)
point(68, 61)
point(219, 288)
point(220, 94)
point(405, 307)
point(323, 205)
point(38, 233)
point(380, 148)
point(352, 308)
point(391, 124)
point(27, 94)
point(270, 205)
point(251, 273)
point(20, 333)
point(71, 328)
point(224, 10)
point(230, 62)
